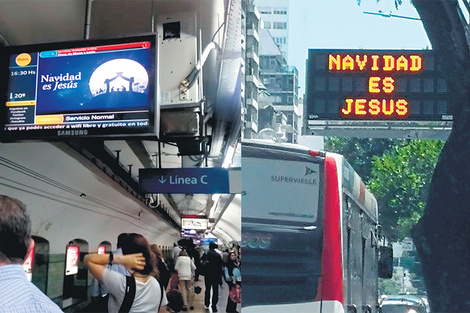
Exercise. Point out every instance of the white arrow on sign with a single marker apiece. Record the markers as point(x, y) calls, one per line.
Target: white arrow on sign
point(161, 180)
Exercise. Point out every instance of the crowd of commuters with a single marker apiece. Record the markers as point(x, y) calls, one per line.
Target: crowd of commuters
point(134, 278)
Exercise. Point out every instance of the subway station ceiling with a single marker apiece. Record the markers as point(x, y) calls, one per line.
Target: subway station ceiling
point(24, 22)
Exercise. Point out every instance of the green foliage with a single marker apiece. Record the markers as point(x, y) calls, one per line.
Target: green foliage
point(392, 286)
point(360, 151)
point(400, 181)
point(397, 172)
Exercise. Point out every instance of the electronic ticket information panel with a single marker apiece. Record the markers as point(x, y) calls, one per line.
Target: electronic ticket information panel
point(81, 89)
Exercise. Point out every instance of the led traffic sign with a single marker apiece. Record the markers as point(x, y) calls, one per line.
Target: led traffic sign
point(375, 85)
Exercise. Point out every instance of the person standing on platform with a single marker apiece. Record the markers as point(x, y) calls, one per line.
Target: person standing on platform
point(162, 273)
point(185, 266)
point(225, 255)
point(194, 255)
point(176, 251)
point(18, 295)
point(233, 278)
point(121, 242)
point(98, 286)
point(140, 261)
point(212, 277)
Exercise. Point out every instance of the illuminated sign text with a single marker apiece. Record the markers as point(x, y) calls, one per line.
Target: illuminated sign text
point(375, 62)
point(375, 85)
point(381, 84)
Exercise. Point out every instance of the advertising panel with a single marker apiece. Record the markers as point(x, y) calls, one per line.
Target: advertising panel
point(28, 264)
point(71, 261)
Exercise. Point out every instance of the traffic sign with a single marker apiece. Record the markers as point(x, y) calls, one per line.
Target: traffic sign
point(185, 180)
point(376, 85)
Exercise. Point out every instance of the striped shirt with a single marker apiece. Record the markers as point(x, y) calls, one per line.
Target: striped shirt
point(18, 295)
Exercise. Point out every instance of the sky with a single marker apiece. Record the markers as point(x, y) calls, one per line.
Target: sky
point(341, 24)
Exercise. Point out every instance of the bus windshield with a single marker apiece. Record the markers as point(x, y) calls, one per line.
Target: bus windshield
point(282, 238)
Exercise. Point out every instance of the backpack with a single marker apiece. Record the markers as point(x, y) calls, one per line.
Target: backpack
point(164, 274)
point(130, 295)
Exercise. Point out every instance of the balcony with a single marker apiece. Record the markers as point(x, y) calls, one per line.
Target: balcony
point(253, 10)
point(252, 32)
point(253, 79)
point(253, 126)
point(251, 54)
point(252, 102)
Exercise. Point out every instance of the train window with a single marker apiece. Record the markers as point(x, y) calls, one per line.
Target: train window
point(40, 263)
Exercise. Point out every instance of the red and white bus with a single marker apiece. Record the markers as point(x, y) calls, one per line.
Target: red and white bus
point(310, 233)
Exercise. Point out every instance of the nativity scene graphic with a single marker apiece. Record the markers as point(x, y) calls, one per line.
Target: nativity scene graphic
point(119, 84)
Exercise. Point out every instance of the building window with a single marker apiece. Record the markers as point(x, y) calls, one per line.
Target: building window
point(290, 83)
point(281, 11)
point(284, 99)
point(267, 25)
point(272, 80)
point(279, 25)
point(265, 10)
point(280, 40)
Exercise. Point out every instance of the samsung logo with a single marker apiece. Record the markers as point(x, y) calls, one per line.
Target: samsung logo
point(73, 132)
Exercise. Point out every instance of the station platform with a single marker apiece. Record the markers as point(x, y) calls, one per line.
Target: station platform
point(199, 299)
point(198, 302)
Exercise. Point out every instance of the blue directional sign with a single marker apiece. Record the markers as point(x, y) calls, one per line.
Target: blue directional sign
point(185, 180)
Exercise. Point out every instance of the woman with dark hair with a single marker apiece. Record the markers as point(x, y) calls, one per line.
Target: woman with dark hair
point(233, 279)
point(140, 262)
point(161, 273)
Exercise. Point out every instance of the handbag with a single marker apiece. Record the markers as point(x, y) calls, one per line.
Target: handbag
point(236, 294)
point(174, 281)
point(175, 300)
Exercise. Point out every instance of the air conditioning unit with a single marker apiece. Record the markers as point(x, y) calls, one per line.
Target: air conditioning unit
point(177, 34)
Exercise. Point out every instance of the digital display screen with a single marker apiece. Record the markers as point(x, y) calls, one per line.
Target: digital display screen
point(194, 223)
point(85, 89)
point(71, 262)
point(101, 249)
point(376, 85)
